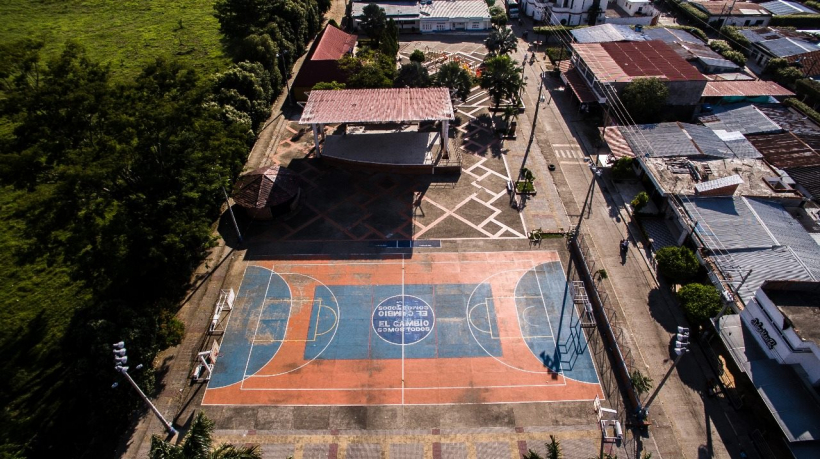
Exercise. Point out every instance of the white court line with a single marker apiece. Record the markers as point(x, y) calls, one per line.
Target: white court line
point(258, 319)
point(403, 309)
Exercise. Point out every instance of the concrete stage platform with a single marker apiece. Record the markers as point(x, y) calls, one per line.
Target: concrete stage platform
point(411, 152)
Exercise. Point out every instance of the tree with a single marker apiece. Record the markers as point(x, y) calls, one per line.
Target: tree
point(640, 201)
point(554, 448)
point(413, 75)
point(389, 45)
point(198, 444)
point(644, 99)
point(501, 41)
point(368, 69)
point(622, 169)
point(498, 17)
point(246, 87)
point(531, 455)
point(641, 383)
point(374, 22)
point(417, 56)
point(501, 78)
point(331, 85)
point(678, 264)
point(457, 78)
point(699, 302)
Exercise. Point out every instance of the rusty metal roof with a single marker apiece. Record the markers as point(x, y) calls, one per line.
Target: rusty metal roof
point(576, 83)
point(744, 88)
point(377, 106)
point(625, 61)
point(730, 8)
point(266, 186)
point(333, 45)
point(785, 150)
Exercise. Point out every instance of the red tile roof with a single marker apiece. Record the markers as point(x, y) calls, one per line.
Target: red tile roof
point(266, 186)
point(377, 106)
point(744, 88)
point(625, 61)
point(333, 45)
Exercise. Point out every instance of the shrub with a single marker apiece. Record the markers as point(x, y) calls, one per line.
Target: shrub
point(556, 53)
point(808, 88)
point(800, 21)
point(622, 169)
point(640, 201)
point(699, 302)
point(678, 264)
point(417, 56)
point(812, 4)
point(787, 76)
point(333, 23)
point(805, 109)
point(736, 39)
point(693, 12)
point(736, 57)
point(719, 46)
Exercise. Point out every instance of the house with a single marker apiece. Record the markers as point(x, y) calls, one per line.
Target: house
point(431, 15)
point(606, 67)
point(321, 63)
point(784, 8)
point(404, 13)
point(448, 15)
point(573, 12)
point(731, 13)
point(774, 341)
point(632, 12)
point(801, 49)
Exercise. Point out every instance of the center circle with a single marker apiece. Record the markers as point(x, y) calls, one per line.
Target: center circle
point(403, 319)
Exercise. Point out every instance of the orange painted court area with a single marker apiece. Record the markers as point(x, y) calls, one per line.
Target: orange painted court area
point(503, 331)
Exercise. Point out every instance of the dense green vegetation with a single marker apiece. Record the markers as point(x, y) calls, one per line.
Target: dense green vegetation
point(678, 264)
point(644, 99)
point(699, 302)
point(127, 34)
point(112, 162)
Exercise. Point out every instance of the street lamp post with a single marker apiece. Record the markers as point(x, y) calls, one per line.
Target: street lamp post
point(285, 74)
point(681, 348)
point(120, 359)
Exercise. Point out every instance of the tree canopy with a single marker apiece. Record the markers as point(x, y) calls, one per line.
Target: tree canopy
point(119, 185)
point(699, 302)
point(457, 78)
point(644, 99)
point(374, 22)
point(198, 444)
point(501, 77)
point(413, 75)
point(678, 264)
point(368, 69)
point(501, 41)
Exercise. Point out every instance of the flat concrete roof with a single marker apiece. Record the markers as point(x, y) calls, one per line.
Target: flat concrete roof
point(800, 304)
point(674, 176)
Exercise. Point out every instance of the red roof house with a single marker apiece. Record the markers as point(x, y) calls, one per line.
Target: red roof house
point(321, 63)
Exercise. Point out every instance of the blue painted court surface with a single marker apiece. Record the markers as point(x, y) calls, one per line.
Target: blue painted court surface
point(410, 321)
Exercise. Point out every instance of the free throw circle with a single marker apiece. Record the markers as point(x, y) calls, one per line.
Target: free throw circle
point(403, 319)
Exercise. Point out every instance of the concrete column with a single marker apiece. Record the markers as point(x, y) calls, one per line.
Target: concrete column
point(322, 127)
point(445, 128)
point(316, 138)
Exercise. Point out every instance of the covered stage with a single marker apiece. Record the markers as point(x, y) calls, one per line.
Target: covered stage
point(382, 146)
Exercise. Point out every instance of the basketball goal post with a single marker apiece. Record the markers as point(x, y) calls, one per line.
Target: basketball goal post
point(205, 363)
point(608, 420)
point(224, 303)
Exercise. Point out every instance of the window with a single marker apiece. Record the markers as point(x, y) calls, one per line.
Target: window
point(427, 26)
point(747, 22)
point(476, 25)
point(759, 22)
point(439, 26)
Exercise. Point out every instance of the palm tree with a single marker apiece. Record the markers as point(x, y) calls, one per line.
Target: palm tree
point(501, 41)
point(198, 444)
point(554, 448)
point(501, 78)
point(457, 78)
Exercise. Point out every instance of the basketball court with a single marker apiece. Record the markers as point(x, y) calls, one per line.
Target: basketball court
point(415, 329)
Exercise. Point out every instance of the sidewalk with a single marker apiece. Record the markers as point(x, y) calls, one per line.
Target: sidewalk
point(684, 422)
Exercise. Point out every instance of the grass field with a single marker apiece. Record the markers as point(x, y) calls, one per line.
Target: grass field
point(124, 33)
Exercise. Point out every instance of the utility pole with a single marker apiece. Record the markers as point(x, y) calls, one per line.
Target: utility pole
point(681, 348)
point(120, 359)
point(233, 217)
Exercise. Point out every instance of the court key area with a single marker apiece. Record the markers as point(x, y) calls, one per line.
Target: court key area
point(426, 328)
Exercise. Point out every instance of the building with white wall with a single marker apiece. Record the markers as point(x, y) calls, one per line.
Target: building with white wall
point(573, 12)
point(631, 12)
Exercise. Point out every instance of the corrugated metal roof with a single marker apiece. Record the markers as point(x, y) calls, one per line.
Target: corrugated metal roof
point(664, 140)
point(746, 119)
point(577, 83)
point(718, 183)
point(756, 234)
point(809, 178)
point(783, 8)
point(391, 8)
point(377, 106)
point(333, 44)
point(616, 142)
point(785, 150)
point(606, 33)
point(671, 35)
point(743, 149)
point(266, 186)
point(707, 141)
point(785, 47)
point(651, 59)
point(744, 88)
point(730, 8)
point(456, 9)
point(789, 119)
